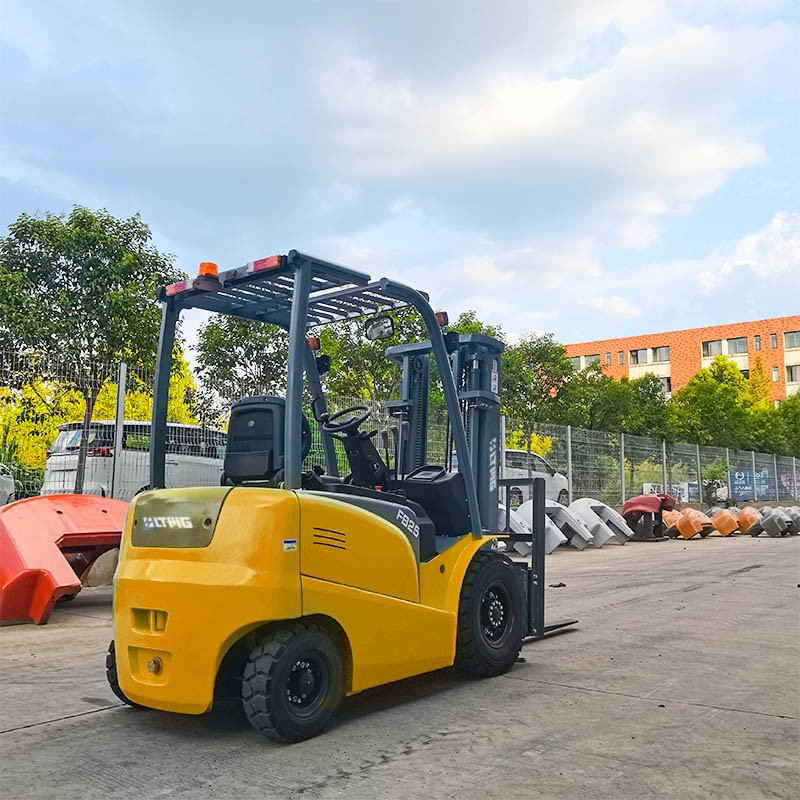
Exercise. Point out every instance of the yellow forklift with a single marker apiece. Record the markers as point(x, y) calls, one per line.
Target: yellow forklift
point(292, 588)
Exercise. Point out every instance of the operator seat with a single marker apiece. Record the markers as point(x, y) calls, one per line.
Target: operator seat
point(254, 451)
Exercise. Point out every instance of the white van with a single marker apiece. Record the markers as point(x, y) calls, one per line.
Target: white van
point(522, 464)
point(194, 458)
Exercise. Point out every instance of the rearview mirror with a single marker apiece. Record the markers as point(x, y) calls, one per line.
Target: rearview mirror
point(379, 328)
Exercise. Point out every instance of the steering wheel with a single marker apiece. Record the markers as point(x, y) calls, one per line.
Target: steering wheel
point(350, 423)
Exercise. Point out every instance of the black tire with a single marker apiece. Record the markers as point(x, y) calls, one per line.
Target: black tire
point(563, 497)
point(491, 614)
point(293, 682)
point(515, 498)
point(113, 679)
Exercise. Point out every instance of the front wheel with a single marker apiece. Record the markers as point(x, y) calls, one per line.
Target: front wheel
point(293, 682)
point(491, 615)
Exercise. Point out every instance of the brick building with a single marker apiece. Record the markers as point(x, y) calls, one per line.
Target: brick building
point(677, 355)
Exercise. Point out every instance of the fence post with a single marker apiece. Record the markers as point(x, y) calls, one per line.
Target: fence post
point(775, 466)
point(119, 424)
point(569, 461)
point(794, 477)
point(728, 474)
point(622, 467)
point(753, 467)
point(664, 466)
point(699, 477)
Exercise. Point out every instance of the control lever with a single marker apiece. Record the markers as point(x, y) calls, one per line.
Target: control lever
point(384, 436)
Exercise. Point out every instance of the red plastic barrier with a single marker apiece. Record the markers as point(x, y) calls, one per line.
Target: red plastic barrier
point(40, 537)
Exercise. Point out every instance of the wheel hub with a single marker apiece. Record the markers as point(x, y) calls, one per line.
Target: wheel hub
point(302, 685)
point(494, 615)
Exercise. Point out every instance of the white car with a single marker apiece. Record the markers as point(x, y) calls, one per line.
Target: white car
point(7, 486)
point(194, 458)
point(522, 464)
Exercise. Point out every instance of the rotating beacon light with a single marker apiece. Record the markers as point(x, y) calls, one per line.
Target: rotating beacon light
point(207, 279)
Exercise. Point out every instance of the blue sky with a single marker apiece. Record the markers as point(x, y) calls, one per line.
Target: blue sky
point(592, 169)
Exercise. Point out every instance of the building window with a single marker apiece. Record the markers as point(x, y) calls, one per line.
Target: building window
point(666, 385)
point(757, 342)
point(576, 361)
point(608, 359)
point(793, 374)
point(592, 359)
point(638, 356)
point(660, 355)
point(773, 340)
point(775, 374)
point(621, 357)
point(712, 348)
point(791, 340)
point(737, 346)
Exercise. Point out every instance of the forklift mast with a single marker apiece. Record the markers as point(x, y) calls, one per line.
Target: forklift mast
point(476, 369)
point(475, 362)
point(411, 410)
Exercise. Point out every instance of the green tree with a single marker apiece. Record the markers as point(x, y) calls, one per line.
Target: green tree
point(83, 286)
point(759, 385)
point(713, 408)
point(535, 372)
point(359, 367)
point(237, 357)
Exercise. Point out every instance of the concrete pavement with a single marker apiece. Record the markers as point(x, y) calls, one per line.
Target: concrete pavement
point(681, 681)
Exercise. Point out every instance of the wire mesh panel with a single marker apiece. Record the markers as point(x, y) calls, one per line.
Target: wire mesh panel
point(596, 465)
point(742, 481)
point(643, 465)
point(682, 477)
point(715, 477)
point(766, 487)
point(40, 396)
point(786, 479)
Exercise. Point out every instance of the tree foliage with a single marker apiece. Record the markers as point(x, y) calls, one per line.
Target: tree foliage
point(82, 286)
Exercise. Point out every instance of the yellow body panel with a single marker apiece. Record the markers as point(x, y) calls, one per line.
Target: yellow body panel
point(267, 562)
point(339, 543)
point(209, 597)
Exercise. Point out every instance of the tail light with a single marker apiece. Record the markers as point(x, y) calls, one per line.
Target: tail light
point(103, 452)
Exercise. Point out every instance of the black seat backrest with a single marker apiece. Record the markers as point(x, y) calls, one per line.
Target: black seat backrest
point(445, 500)
point(255, 439)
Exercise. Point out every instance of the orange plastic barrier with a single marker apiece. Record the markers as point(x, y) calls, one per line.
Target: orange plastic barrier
point(670, 519)
point(748, 517)
point(39, 537)
point(725, 522)
point(692, 522)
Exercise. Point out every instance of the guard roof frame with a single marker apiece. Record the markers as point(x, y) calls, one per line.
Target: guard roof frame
point(296, 292)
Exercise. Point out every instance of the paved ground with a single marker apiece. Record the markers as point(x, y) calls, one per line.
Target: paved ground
point(681, 682)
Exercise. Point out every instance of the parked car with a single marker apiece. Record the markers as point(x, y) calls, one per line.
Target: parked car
point(194, 458)
point(7, 486)
point(522, 464)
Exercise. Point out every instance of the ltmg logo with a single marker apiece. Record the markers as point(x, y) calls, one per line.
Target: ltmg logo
point(155, 523)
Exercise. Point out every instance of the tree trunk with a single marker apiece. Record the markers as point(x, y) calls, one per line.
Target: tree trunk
point(90, 395)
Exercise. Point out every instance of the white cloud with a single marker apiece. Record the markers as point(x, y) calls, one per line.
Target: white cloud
point(615, 306)
point(767, 254)
point(485, 272)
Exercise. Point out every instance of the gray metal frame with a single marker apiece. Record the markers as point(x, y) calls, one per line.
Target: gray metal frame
point(297, 292)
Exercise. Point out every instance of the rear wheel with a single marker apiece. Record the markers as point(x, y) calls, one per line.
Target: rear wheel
point(113, 678)
point(490, 616)
point(293, 682)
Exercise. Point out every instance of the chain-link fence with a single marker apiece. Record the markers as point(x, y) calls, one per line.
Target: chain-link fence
point(43, 404)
